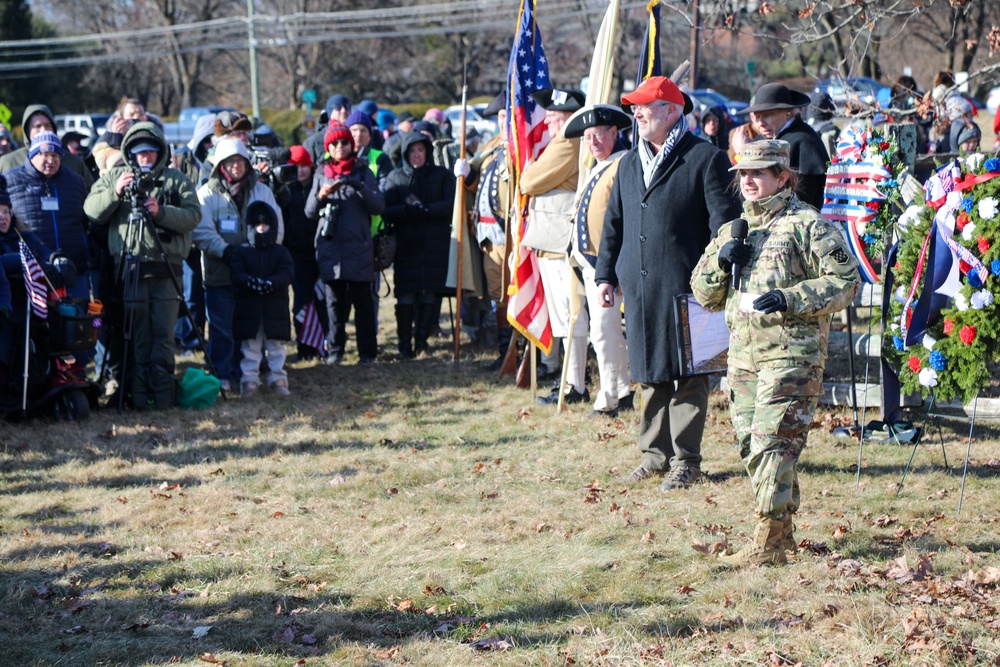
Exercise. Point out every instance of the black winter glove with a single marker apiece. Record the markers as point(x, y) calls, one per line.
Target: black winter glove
point(734, 252)
point(267, 287)
point(772, 302)
point(227, 255)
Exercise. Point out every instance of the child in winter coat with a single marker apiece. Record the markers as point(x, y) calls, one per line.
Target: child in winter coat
point(261, 273)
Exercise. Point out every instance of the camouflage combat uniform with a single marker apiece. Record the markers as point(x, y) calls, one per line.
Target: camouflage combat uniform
point(776, 360)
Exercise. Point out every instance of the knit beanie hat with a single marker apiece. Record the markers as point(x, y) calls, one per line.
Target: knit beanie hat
point(358, 117)
point(968, 131)
point(336, 131)
point(300, 156)
point(386, 119)
point(46, 142)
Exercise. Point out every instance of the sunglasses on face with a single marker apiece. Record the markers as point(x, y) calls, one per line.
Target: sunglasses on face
point(341, 142)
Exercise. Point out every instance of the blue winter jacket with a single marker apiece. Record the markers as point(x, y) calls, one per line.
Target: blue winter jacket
point(64, 230)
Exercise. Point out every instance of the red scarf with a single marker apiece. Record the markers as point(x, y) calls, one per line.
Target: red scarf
point(333, 169)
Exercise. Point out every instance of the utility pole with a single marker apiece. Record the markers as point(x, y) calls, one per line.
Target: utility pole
point(695, 29)
point(254, 83)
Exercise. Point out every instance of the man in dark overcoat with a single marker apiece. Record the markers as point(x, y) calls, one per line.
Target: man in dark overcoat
point(775, 109)
point(670, 198)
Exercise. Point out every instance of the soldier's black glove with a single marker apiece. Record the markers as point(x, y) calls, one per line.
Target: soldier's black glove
point(734, 252)
point(772, 302)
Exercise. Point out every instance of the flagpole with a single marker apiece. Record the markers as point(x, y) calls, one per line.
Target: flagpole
point(459, 214)
point(27, 336)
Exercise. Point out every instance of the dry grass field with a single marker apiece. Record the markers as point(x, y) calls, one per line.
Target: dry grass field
point(408, 514)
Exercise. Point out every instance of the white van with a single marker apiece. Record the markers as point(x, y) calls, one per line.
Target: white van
point(90, 125)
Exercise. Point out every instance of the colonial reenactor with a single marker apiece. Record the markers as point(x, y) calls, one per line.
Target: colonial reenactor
point(598, 126)
point(797, 270)
point(491, 169)
point(551, 182)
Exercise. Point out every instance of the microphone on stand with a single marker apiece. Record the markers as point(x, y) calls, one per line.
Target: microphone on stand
point(740, 230)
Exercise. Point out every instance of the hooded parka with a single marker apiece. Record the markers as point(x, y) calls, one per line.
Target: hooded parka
point(178, 215)
point(423, 235)
point(267, 260)
point(223, 222)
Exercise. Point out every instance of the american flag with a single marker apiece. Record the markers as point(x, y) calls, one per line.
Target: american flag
point(311, 333)
point(528, 71)
point(34, 282)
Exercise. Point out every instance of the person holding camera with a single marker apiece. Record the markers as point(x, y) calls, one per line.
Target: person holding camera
point(231, 188)
point(792, 272)
point(159, 240)
point(419, 198)
point(344, 197)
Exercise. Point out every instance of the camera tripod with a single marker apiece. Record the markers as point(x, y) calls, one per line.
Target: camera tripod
point(129, 272)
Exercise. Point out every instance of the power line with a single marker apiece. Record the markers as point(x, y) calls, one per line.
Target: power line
point(24, 57)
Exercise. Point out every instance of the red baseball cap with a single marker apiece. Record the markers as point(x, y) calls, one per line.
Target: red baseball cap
point(657, 88)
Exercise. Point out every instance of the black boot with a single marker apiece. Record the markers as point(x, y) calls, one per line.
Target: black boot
point(427, 313)
point(404, 329)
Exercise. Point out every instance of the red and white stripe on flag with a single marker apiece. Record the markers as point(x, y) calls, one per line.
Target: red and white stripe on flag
point(311, 332)
point(527, 71)
point(34, 282)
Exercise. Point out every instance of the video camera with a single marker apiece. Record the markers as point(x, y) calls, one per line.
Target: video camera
point(261, 153)
point(143, 184)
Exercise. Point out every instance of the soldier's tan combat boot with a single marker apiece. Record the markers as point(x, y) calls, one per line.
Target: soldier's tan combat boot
point(788, 535)
point(764, 549)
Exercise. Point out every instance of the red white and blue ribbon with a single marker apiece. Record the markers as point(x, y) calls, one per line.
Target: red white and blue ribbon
point(852, 196)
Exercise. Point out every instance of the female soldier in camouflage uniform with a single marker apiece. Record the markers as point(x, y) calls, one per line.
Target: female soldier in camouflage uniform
point(796, 272)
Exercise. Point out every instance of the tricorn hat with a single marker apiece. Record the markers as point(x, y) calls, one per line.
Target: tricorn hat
point(595, 116)
point(775, 96)
point(559, 99)
point(499, 102)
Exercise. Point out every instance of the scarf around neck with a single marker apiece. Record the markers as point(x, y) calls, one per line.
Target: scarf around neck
point(652, 161)
point(333, 168)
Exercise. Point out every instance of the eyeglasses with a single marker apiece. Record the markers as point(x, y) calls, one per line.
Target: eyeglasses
point(646, 107)
point(342, 142)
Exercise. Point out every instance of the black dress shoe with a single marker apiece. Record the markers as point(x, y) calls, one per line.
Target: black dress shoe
point(611, 414)
point(627, 403)
point(571, 396)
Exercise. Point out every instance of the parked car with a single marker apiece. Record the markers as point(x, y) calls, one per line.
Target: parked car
point(179, 133)
point(867, 91)
point(90, 125)
point(710, 98)
point(486, 127)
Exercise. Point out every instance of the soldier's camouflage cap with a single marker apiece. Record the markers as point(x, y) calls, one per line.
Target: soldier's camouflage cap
point(761, 154)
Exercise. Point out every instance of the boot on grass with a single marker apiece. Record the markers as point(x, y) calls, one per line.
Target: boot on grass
point(788, 534)
point(764, 549)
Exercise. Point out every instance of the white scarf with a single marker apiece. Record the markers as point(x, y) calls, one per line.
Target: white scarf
point(651, 161)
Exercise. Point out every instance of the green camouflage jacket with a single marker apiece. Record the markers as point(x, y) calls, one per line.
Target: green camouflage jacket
point(796, 251)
